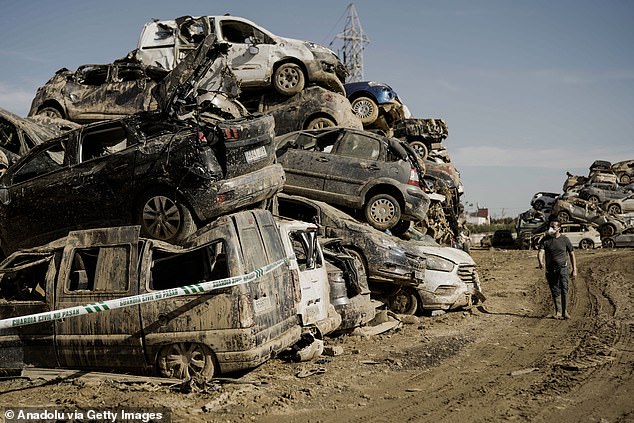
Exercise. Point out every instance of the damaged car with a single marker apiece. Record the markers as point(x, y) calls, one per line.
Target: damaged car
point(98, 92)
point(599, 193)
point(259, 58)
point(624, 171)
point(313, 108)
point(356, 169)
point(199, 333)
point(623, 239)
point(372, 101)
point(619, 205)
point(18, 135)
point(164, 174)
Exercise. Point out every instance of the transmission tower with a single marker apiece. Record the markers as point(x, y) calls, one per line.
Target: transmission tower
point(354, 42)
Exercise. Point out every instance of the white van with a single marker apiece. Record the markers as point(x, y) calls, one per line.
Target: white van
point(258, 57)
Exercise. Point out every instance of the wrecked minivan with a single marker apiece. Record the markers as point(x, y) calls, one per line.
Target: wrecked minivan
point(200, 333)
point(258, 57)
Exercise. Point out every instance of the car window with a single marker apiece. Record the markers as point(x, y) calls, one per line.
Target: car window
point(359, 146)
point(171, 270)
point(9, 137)
point(25, 278)
point(45, 161)
point(92, 75)
point(100, 269)
point(125, 74)
point(102, 141)
point(241, 33)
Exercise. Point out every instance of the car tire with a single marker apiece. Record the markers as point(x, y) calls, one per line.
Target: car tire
point(320, 122)
point(625, 179)
point(404, 301)
point(420, 148)
point(563, 217)
point(365, 109)
point(609, 243)
point(539, 204)
point(607, 230)
point(614, 209)
point(288, 79)
point(594, 200)
point(51, 111)
point(382, 212)
point(586, 244)
point(185, 360)
point(161, 217)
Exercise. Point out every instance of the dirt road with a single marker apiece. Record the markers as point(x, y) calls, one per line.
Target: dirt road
point(503, 361)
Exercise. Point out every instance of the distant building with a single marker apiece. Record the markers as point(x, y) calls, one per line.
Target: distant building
point(479, 217)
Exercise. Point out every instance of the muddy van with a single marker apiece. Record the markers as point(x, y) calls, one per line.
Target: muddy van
point(203, 333)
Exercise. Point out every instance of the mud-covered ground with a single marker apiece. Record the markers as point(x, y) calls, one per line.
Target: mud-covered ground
point(503, 361)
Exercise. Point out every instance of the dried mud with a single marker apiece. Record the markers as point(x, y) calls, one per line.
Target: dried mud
point(502, 361)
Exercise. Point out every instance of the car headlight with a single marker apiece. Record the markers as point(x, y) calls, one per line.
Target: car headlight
point(440, 264)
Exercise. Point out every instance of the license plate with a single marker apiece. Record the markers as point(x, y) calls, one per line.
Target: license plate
point(419, 275)
point(255, 154)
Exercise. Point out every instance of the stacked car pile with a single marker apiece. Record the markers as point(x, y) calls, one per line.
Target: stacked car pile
point(603, 200)
point(162, 201)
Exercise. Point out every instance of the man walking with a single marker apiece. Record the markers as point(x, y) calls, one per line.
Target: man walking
point(556, 249)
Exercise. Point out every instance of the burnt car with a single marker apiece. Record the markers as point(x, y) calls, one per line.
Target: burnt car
point(313, 108)
point(355, 169)
point(393, 269)
point(372, 100)
point(18, 135)
point(624, 171)
point(200, 333)
point(98, 92)
point(620, 205)
point(164, 174)
point(599, 193)
point(624, 239)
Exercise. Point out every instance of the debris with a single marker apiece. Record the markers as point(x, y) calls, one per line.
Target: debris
point(435, 313)
point(33, 373)
point(524, 371)
point(310, 372)
point(333, 350)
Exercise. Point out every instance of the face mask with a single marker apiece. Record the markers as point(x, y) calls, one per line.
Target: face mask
point(552, 231)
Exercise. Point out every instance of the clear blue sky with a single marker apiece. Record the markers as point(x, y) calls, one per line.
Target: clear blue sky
point(530, 89)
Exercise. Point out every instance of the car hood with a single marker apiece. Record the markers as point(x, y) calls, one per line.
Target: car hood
point(201, 71)
point(452, 254)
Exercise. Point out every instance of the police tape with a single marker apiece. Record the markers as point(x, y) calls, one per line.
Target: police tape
point(141, 298)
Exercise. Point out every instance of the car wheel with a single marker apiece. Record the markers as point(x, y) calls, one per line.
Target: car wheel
point(185, 360)
point(594, 200)
point(366, 109)
point(539, 204)
point(614, 209)
point(420, 148)
point(586, 244)
point(320, 122)
point(625, 179)
point(404, 301)
point(288, 79)
point(607, 230)
point(563, 217)
point(382, 211)
point(50, 111)
point(163, 218)
point(609, 243)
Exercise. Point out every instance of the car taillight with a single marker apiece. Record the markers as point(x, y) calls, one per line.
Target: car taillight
point(201, 138)
point(413, 177)
point(232, 133)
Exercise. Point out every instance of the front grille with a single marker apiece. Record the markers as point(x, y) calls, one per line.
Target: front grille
point(416, 262)
point(467, 273)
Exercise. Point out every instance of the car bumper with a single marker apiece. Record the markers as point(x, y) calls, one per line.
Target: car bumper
point(416, 204)
point(235, 193)
point(450, 290)
point(357, 312)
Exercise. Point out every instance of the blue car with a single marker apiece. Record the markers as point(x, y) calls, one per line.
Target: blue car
point(367, 97)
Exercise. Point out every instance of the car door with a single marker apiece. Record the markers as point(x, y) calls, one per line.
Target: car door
point(249, 52)
point(35, 208)
point(126, 92)
point(356, 160)
point(99, 265)
point(101, 175)
point(86, 92)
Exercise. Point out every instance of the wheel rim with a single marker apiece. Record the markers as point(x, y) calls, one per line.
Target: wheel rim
point(594, 200)
point(49, 112)
point(539, 205)
point(185, 360)
point(320, 123)
point(608, 243)
point(363, 108)
point(625, 179)
point(614, 209)
point(585, 244)
point(419, 147)
point(382, 210)
point(563, 217)
point(288, 78)
point(161, 217)
point(403, 302)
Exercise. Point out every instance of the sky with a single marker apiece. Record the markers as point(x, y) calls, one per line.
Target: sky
point(529, 89)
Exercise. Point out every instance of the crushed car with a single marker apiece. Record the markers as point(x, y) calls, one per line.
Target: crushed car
point(424, 135)
point(376, 104)
point(312, 108)
point(259, 58)
point(201, 333)
point(356, 169)
point(393, 269)
point(624, 171)
point(168, 176)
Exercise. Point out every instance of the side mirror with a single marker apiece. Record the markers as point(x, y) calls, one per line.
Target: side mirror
point(253, 50)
